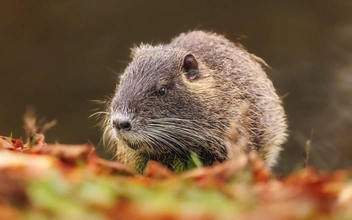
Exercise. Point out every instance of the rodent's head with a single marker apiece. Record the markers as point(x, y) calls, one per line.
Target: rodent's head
point(158, 105)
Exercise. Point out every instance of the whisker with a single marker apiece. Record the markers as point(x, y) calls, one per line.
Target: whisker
point(166, 138)
point(102, 113)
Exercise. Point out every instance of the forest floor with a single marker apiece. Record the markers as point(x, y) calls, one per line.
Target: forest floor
point(57, 181)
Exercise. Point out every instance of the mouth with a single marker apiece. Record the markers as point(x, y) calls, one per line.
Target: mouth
point(133, 144)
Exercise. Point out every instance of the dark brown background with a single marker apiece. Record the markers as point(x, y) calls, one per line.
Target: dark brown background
point(56, 55)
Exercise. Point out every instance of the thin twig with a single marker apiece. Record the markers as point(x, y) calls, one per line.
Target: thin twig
point(308, 147)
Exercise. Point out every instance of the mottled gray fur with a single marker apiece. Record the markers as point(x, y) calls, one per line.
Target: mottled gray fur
point(230, 92)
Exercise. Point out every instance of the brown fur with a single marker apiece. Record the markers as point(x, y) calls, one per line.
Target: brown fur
point(230, 95)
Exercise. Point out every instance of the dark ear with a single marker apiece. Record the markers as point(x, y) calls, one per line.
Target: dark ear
point(190, 66)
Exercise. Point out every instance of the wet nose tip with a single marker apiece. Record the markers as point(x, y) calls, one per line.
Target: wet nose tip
point(122, 125)
point(125, 125)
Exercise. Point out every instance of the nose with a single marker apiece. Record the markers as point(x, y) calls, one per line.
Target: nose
point(122, 124)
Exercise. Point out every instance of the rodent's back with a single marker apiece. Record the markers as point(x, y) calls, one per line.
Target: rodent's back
point(243, 79)
point(219, 53)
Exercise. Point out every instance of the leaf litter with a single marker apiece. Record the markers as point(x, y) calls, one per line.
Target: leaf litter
point(58, 181)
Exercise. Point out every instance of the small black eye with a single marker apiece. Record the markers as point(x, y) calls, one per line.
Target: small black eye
point(162, 91)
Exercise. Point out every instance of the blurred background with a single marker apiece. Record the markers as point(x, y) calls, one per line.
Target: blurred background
point(60, 55)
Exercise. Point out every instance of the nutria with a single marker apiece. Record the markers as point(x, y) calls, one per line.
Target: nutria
point(188, 97)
